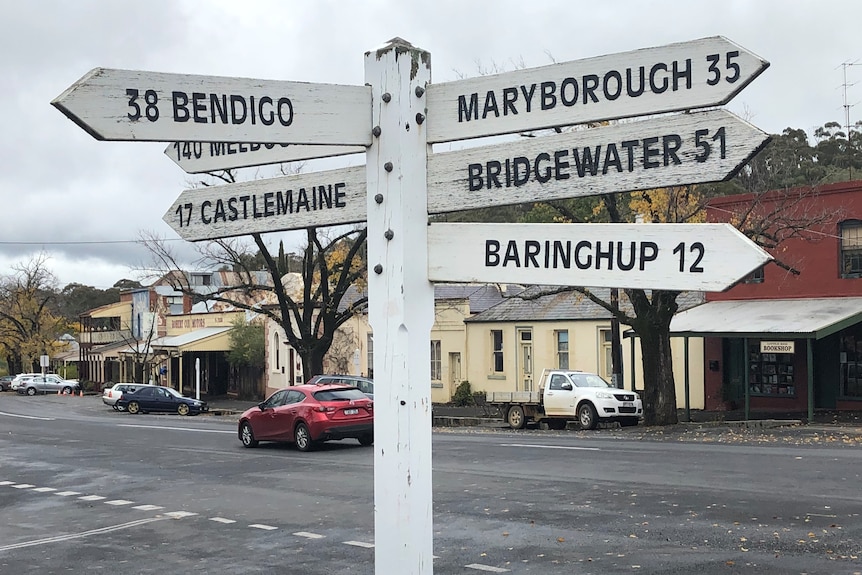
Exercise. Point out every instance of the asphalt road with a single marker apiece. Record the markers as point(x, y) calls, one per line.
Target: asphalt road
point(84, 489)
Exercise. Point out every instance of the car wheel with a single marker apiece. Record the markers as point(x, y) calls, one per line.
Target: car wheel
point(67, 390)
point(516, 418)
point(628, 421)
point(134, 407)
point(587, 416)
point(183, 409)
point(302, 438)
point(246, 435)
point(366, 440)
point(31, 391)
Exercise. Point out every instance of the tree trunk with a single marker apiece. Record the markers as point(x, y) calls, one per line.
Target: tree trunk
point(654, 314)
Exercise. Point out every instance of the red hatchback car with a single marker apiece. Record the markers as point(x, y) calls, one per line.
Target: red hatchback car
point(309, 414)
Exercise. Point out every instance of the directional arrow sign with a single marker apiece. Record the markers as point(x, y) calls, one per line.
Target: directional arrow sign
point(153, 106)
point(708, 257)
point(197, 157)
point(292, 202)
point(696, 74)
point(665, 151)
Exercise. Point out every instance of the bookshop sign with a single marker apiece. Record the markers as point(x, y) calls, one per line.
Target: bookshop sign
point(777, 347)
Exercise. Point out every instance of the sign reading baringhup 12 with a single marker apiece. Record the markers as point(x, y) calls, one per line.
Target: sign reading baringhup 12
point(683, 76)
point(152, 106)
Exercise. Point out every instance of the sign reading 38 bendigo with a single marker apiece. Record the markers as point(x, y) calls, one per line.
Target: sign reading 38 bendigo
point(152, 106)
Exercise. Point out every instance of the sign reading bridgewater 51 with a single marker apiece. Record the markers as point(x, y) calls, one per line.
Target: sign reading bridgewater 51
point(153, 106)
point(683, 76)
point(667, 151)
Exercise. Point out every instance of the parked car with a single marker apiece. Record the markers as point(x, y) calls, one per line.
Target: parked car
point(157, 398)
point(51, 383)
point(6, 382)
point(364, 384)
point(20, 378)
point(308, 414)
point(110, 395)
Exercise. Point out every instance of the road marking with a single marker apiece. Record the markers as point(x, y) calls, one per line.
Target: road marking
point(222, 520)
point(67, 493)
point(7, 483)
point(147, 507)
point(71, 536)
point(360, 544)
point(27, 416)
point(179, 514)
point(44, 489)
point(91, 498)
point(23, 486)
point(308, 535)
point(119, 502)
point(549, 446)
point(264, 527)
point(480, 567)
point(176, 428)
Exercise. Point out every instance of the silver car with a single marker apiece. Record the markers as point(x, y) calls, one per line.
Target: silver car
point(32, 385)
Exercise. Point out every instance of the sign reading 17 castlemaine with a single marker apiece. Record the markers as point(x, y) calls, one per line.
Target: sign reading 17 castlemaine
point(152, 106)
point(683, 76)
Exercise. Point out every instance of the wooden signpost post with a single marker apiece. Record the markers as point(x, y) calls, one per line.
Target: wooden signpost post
point(396, 116)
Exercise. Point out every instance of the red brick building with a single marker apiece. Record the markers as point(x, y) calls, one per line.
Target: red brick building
point(789, 336)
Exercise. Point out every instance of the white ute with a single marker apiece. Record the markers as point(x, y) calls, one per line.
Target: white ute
point(568, 395)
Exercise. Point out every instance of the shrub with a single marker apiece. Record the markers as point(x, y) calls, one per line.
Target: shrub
point(463, 395)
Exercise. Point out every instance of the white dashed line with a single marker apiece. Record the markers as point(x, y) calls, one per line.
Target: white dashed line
point(222, 520)
point(119, 502)
point(179, 514)
point(26, 416)
point(23, 486)
point(147, 507)
point(488, 568)
point(266, 527)
point(549, 447)
point(7, 483)
point(91, 498)
point(67, 493)
point(44, 489)
point(362, 544)
point(308, 535)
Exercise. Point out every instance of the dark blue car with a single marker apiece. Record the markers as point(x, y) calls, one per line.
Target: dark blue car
point(160, 399)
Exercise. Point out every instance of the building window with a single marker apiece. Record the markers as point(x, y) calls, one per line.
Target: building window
point(851, 248)
point(436, 360)
point(755, 277)
point(276, 353)
point(606, 369)
point(497, 350)
point(369, 346)
point(562, 337)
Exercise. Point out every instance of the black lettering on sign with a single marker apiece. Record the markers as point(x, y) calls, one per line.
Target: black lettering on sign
point(203, 108)
point(558, 254)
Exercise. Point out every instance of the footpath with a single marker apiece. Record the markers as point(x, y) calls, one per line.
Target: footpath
point(824, 421)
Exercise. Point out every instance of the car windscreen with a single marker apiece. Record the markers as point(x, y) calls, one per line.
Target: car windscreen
point(173, 391)
point(345, 394)
point(588, 380)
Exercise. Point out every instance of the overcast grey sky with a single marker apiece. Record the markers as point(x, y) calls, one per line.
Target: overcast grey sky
point(59, 185)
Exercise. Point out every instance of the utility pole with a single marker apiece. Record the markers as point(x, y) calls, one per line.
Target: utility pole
point(616, 346)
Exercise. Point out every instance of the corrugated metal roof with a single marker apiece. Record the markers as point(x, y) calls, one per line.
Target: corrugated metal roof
point(190, 337)
point(800, 317)
point(564, 306)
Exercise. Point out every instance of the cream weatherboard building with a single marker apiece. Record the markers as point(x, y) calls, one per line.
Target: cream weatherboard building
point(498, 342)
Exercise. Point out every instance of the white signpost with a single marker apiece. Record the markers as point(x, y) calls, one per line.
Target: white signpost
point(198, 157)
point(153, 106)
point(666, 151)
point(696, 74)
point(397, 115)
point(258, 206)
point(707, 257)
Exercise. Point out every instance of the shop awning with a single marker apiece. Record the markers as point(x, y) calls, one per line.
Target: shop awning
point(203, 339)
point(809, 318)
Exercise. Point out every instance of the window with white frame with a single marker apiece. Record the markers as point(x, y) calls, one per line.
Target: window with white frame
point(851, 248)
point(276, 352)
point(370, 355)
point(436, 361)
point(562, 337)
point(497, 350)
